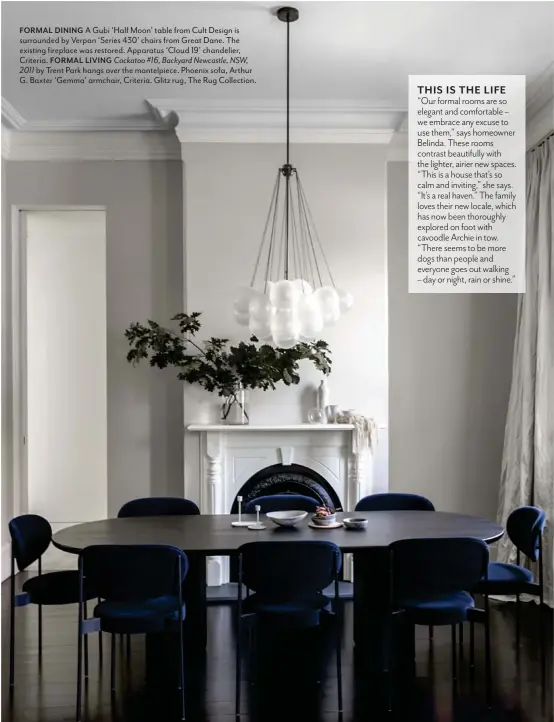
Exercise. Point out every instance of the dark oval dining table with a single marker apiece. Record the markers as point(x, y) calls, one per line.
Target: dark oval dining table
point(206, 535)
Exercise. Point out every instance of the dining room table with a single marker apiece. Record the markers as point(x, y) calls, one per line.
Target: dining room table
point(207, 535)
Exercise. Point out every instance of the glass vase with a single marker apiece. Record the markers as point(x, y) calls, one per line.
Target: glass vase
point(234, 409)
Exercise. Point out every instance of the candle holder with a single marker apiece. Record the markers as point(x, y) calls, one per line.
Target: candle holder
point(258, 526)
point(240, 522)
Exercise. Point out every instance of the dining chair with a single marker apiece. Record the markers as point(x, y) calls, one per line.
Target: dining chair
point(158, 506)
point(524, 527)
point(430, 583)
point(31, 536)
point(282, 502)
point(141, 591)
point(287, 580)
point(398, 501)
point(394, 501)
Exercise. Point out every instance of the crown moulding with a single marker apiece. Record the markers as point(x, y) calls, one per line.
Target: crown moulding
point(248, 122)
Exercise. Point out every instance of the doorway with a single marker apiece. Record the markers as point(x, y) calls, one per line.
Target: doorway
point(63, 368)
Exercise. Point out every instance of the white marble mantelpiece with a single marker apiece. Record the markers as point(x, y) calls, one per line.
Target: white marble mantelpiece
point(230, 455)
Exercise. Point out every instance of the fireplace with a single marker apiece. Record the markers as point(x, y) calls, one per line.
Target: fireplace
point(292, 479)
point(250, 461)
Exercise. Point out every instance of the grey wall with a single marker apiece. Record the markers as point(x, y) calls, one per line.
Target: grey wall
point(144, 280)
point(228, 189)
point(450, 363)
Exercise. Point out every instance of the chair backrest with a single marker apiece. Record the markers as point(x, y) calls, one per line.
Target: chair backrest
point(422, 568)
point(289, 570)
point(122, 572)
point(525, 526)
point(394, 502)
point(158, 506)
point(282, 502)
point(31, 536)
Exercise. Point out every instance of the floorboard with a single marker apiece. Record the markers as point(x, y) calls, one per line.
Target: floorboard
point(45, 688)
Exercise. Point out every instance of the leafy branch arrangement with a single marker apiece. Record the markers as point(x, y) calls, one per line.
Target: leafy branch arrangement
point(215, 364)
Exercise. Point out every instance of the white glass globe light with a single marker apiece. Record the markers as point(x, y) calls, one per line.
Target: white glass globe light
point(328, 301)
point(331, 316)
point(303, 286)
point(285, 328)
point(346, 300)
point(242, 318)
point(260, 308)
point(326, 297)
point(244, 296)
point(260, 328)
point(284, 342)
point(311, 320)
point(284, 294)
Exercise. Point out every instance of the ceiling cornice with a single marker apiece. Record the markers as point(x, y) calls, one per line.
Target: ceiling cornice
point(11, 118)
point(79, 146)
point(248, 122)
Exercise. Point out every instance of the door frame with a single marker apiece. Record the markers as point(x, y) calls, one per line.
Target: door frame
point(19, 344)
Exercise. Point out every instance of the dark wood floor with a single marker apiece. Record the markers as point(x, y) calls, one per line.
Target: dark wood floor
point(46, 692)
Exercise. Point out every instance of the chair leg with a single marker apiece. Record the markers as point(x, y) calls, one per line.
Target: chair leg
point(461, 638)
point(338, 621)
point(12, 625)
point(78, 712)
point(518, 622)
point(100, 646)
point(488, 664)
point(182, 670)
point(40, 632)
point(85, 642)
point(238, 668)
point(431, 633)
point(128, 651)
point(112, 672)
point(40, 617)
point(454, 654)
point(542, 633)
point(472, 645)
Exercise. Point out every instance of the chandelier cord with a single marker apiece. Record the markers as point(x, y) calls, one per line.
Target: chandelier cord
point(262, 244)
point(287, 169)
point(309, 215)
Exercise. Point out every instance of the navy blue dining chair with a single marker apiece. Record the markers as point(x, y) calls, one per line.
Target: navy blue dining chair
point(31, 536)
point(524, 527)
point(394, 501)
point(158, 506)
point(282, 502)
point(431, 581)
point(286, 580)
point(397, 501)
point(141, 591)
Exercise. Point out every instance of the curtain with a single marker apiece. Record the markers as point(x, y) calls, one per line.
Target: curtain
point(527, 475)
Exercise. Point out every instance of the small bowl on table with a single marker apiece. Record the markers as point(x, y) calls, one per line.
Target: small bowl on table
point(327, 520)
point(355, 522)
point(287, 518)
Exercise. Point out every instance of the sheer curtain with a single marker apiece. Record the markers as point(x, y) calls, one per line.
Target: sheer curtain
point(528, 458)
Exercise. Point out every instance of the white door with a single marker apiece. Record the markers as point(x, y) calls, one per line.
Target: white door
point(66, 368)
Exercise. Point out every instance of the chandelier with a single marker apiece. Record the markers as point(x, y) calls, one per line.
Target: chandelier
point(292, 294)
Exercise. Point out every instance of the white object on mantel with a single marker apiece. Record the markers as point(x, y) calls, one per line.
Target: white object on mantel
point(231, 455)
point(323, 397)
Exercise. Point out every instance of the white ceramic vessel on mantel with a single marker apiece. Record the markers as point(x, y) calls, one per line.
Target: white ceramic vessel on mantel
point(231, 455)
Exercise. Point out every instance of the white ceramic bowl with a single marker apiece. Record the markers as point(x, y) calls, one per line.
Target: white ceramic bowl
point(355, 522)
point(324, 520)
point(286, 518)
